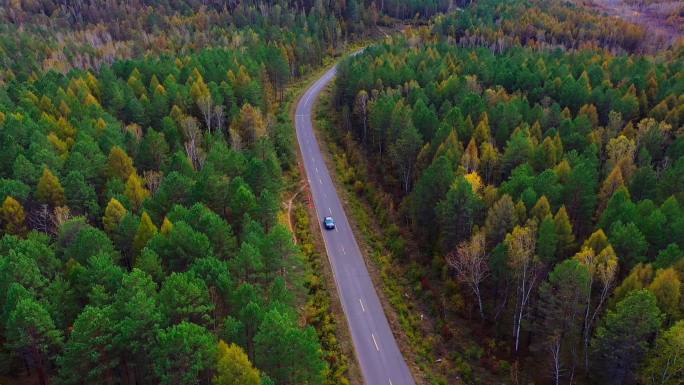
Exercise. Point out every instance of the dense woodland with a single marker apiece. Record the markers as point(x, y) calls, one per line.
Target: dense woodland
point(538, 161)
point(143, 150)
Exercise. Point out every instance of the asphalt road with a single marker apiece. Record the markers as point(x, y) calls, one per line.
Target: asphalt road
point(376, 349)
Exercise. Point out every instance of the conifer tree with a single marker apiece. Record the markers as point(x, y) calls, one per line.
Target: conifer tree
point(113, 215)
point(135, 191)
point(12, 217)
point(146, 230)
point(233, 367)
point(50, 190)
point(566, 238)
point(119, 164)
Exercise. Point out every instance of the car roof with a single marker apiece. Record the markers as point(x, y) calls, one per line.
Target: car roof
point(328, 218)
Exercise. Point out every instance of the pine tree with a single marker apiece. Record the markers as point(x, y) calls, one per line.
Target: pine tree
point(49, 190)
point(566, 238)
point(166, 226)
point(12, 217)
point(184, 354)
point(135, 191)
point(541, 209)
point(666, 287)
point(613, 182)
point(119, 164)
point(146, 230)
point(30, 330)
point(623, 338)
point(113, 215)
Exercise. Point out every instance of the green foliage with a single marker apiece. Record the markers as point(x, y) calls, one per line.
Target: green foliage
point(289, 354)
point(89, 352)
point(567, 134)
point(184, 297)
point(184, 354)
point(624, 337)
point(664, 364)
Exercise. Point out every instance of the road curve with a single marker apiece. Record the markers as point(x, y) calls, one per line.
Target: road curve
point(376, 349)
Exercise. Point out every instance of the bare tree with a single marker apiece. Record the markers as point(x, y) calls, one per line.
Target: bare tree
point(153, 180)
point(602, 270)
point(206, 106)
point(361, 111)
point(219, 116)
point(521, 244)
point(470, 262)
point(235, 139)
point(554, 348)
point(41, 219)
point(60, 215)
point(192, 133)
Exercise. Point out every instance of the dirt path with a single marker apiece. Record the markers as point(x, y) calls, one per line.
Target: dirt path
point(288, 206)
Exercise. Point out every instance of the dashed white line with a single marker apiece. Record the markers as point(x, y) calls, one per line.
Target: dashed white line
point(375, 342)
point(390, 381)
point(343, 251)
point(362, 308)
point(329, 209)
point(320, 181)
point(316, 170)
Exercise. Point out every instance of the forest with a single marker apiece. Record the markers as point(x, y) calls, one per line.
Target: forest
point(535, 154)
point(146, 147)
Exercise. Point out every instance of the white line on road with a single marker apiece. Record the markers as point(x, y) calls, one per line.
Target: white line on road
point(343, 252)
point(320, 181)
point(316, 170)
point(390, 381)
point(329, 209)
point(361, 302)
point(375, 342)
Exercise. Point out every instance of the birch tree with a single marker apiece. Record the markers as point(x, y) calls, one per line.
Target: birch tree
point(471, 264)
point(525, 267)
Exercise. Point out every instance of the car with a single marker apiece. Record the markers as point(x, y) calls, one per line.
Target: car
point(329, 223)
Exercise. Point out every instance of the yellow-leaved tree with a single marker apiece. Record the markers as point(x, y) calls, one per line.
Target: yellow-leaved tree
point(113, 215)
point(13, 217)
point(49, 190)
point(233, 367)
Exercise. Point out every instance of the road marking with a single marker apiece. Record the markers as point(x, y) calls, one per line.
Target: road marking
point(390, 381)
point(344, 252)
point(316, 170)
point(362, 308)
point(329, 209)
point(375, 342)
point(320, 181)
point(336, 229)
